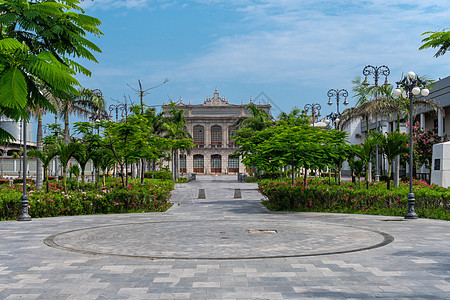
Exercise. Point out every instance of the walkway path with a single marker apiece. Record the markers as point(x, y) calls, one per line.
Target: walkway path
point(224, 248)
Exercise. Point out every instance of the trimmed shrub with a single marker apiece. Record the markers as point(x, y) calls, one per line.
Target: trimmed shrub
point(152, 196)
point(431, 201)
point(165, 175)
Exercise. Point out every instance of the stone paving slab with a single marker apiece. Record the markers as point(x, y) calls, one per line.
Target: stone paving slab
point(415, 265)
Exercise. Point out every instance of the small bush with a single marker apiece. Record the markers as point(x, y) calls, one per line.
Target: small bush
point(20, 180)
point(182, 180)
point(165, 175)
point(251, 179)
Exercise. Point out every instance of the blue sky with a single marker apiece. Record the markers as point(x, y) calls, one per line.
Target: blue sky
point(294, 51)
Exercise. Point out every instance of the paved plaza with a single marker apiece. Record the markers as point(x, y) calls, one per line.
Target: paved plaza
point(223, 247)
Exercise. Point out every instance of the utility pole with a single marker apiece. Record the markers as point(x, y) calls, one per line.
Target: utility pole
point(142, 93)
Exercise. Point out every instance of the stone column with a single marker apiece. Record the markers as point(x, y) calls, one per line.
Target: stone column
point(440, 124)
point(422, 121)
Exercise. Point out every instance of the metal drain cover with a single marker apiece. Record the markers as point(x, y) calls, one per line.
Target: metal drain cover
point(261, 231)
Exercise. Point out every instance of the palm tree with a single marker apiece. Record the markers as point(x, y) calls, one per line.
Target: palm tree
point(65, 153)
point(364, 152)
point(82, 156)
point(85, 103)
point(437, 39)
point(106, 161)
point(45, 156)
point(357, 166)
point(392, 145)
point(175, 128)
point(258, 121)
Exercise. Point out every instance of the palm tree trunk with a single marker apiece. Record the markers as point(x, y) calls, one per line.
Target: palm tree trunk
point(142, 170)
point(46, 179)
point(389, 175)
point(66, 129)
point(293, 175)
point(40, 147)
point(64, 179)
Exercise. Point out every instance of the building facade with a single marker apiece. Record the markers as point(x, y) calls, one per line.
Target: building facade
point(211, 126)
point(426, 116)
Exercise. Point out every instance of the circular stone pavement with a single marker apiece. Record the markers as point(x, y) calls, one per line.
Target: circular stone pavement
point(210, 239)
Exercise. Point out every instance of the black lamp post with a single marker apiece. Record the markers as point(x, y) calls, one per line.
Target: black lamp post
point(123, 107)
point(118, 107)
point(24, 216)
point(315, 111)
point(412, 86)
point(334, 116)
point(56, 157)
point(376, 72)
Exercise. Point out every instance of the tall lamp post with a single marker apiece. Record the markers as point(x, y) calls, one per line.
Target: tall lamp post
point(376, 72)
point(315, 111)
point(118, 107)
point(123, 108)
point(334, 116)
point(412, 86)
point(24, 216)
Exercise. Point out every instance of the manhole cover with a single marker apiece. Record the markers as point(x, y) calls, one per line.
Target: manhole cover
point(394, 220)
point(261, 231)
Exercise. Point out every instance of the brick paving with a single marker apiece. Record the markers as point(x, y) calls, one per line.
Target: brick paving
point(224, 248)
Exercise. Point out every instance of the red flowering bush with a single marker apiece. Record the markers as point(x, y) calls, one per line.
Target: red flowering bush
point(318, 196)
point(152, 196)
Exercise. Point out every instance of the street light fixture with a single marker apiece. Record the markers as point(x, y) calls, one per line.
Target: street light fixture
point(123, 108)
point(334, 116)
point(376, 72)
point(315, 111)
point(412, 86)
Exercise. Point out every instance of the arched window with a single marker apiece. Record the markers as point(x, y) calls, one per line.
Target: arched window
point(183, 163)
point(216, 163)
point(216, 135)
point(231, 133)
point(233, 164)
point(198, 163)
point(199, 135)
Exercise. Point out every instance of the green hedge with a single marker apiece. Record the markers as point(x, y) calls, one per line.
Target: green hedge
point(166, 175)
point(153, 196)
point(318, 196)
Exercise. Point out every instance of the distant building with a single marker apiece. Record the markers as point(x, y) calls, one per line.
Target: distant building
point(10, 166)
point(211, 126)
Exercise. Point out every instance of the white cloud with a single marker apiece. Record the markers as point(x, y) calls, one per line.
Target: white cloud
point(309, 42)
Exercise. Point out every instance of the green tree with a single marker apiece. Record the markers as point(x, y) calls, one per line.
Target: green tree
point(36, 40)
point(84, 103)
point(83, 156)
point(437, 39)
point(175, 129)
point(392, 145)
point(258, 120)
point(65, 153)
point(46, 156)
point(365, 153)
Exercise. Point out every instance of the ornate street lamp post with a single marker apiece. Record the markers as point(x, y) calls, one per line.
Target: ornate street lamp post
point(123, 108)
point(376, 72)
point(412, 86)
point(334, 116)
point(24, 216)
point(118, 107)
point(315, 111)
